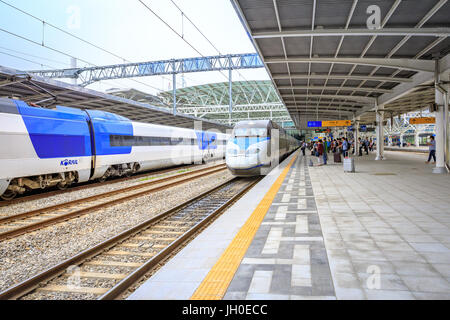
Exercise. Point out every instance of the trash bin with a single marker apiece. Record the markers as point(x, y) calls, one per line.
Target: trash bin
point(349, 165)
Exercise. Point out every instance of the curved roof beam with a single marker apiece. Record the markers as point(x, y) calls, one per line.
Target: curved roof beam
point(367, 100)
point(413, 32)
point(404, 64)
point(340, 77)
point(361, 89)
point(326, 102)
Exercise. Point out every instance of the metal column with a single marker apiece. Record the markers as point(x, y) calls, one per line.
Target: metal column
point(440, 139)
point(230, 90)
point(174, 89)
point(380, 135)
point(440, 122)
point(356, 136)
point(73, 65)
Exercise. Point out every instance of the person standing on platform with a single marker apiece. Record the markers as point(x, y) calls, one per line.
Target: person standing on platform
point(303, 147)
point(325, 151)
point(320, 152)
point(366, 146)
point(344, 147)
point(361, 144)
point(432, 148)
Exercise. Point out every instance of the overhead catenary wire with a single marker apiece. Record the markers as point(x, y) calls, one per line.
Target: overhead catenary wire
point(34, 56)
point(176, 32)
point(207, 39)
point(60, 29)
point(24, 59)
point(44, 22)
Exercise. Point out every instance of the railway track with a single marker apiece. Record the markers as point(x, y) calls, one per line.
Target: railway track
point(41, 194)
point(22, 223)
point(107, 270)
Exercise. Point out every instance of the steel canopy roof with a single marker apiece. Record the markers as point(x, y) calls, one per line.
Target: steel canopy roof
point(48, 93)
point(321, 55)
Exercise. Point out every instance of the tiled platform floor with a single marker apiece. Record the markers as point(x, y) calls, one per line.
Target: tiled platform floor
point(390, 218)
point(287, 258)
point(380, 233)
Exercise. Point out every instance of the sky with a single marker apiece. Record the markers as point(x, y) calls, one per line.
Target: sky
point(127, 29)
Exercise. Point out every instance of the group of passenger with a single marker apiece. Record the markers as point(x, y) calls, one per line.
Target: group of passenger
point(339, 147)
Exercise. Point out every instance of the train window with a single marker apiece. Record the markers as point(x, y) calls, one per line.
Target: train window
point(250, 132)
point(129, 141)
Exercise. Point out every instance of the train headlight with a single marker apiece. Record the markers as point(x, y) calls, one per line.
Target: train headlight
point(253, 151)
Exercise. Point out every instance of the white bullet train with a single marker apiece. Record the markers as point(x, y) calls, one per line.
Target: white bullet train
point(255, 147)
point(41, 148)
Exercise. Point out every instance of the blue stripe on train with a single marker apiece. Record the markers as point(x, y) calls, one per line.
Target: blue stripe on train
point(56, 133)
point(106, 124)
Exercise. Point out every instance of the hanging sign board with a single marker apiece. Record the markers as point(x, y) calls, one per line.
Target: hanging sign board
point(337, 123)
point(426, 120)
point(314, 124)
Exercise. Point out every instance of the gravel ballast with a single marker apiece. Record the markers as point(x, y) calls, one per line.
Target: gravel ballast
point(28, 255)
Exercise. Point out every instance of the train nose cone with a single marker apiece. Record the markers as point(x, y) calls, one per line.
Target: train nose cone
point(242, 162)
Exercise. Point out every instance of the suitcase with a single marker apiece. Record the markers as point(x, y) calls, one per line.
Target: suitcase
point(349, 165)
point(337, 157)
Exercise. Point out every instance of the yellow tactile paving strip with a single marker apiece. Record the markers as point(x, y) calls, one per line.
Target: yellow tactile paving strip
point(216, 282)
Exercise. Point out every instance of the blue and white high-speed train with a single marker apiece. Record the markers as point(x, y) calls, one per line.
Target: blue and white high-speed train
point(41, 147)
point(250, 148)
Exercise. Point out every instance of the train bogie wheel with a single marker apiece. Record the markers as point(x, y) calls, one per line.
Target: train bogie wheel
point(61, 186)
point(8, 195)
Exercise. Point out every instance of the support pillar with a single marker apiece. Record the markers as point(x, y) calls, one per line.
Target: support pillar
point(174, 89)
point(440, 139)
point(380, 135)
point(230, 90)
point(416, 138)
point(73, 64)
point(356, 136)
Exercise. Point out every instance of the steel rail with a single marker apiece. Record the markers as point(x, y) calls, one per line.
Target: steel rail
point(73, 214)
point(27, 286)
point(120, 288)
point(43, 193)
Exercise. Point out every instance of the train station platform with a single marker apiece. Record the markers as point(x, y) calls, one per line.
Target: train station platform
point(422, 149)
point(304, 232)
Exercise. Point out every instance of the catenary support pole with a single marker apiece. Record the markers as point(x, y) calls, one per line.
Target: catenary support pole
point(73, 65)
point(174, 92)
point(230, 90)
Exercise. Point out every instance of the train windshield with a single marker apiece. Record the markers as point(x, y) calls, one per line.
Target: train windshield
point(250, 132)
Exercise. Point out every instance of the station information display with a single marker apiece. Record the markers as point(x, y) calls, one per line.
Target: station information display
point(334, 123)
point(425, 120)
